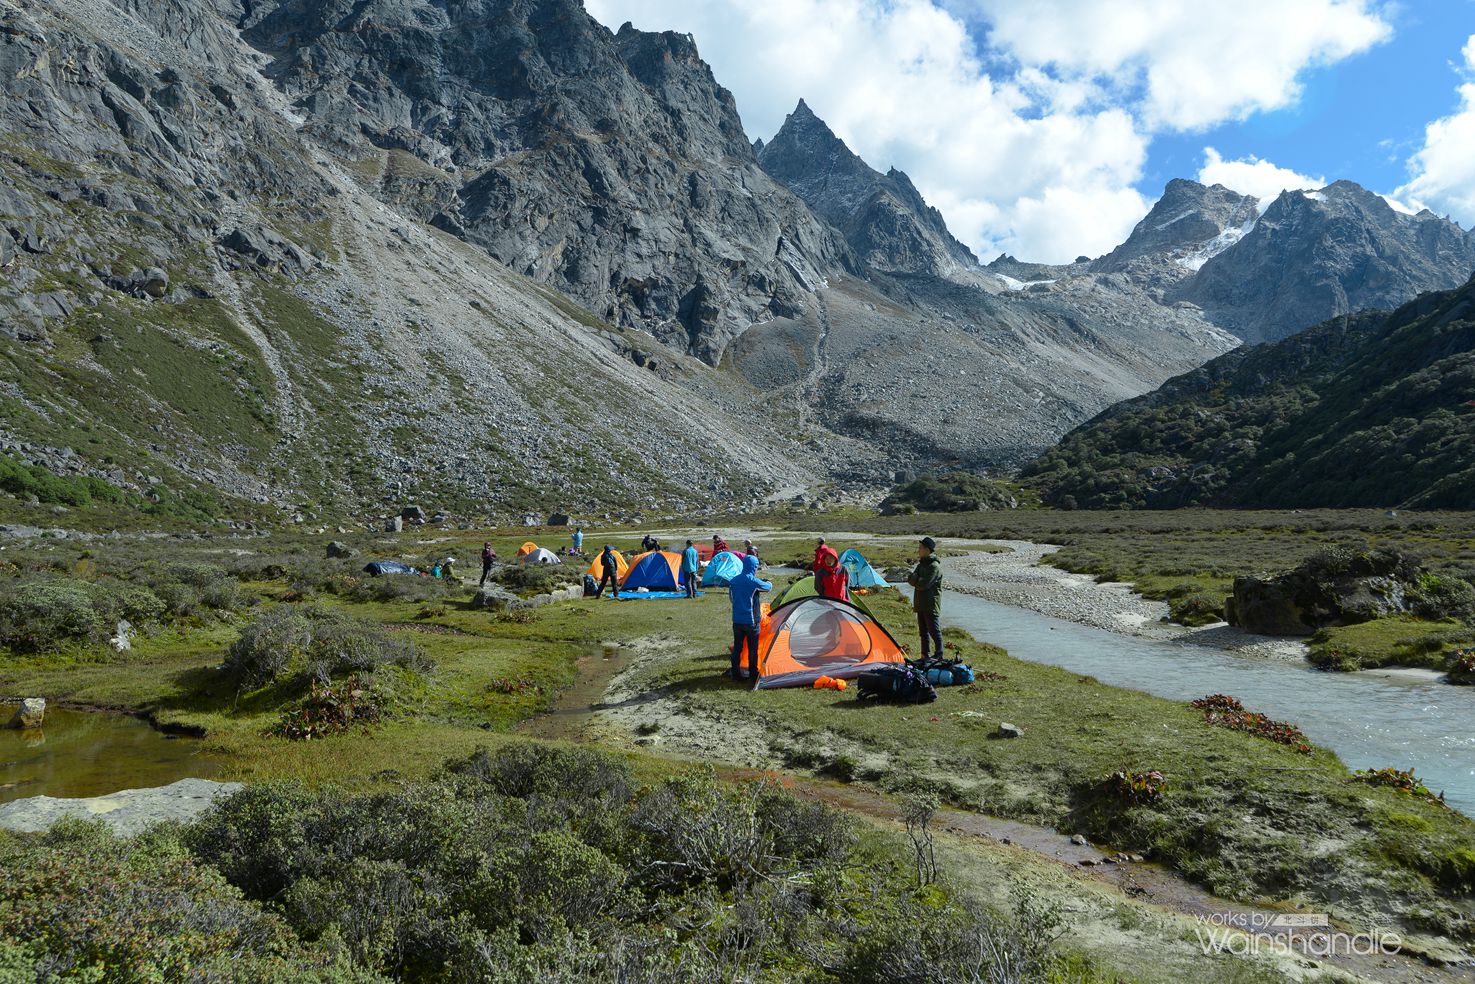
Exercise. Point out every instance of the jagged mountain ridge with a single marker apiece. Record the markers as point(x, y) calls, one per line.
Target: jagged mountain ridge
point(1318, 254)
point(883, 216)
point(611, 166)
point(1363, 410)
point(306, 213)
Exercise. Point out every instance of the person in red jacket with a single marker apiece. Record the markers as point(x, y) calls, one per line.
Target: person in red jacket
point(832, 580)
point(718, 544)
point(821, 551)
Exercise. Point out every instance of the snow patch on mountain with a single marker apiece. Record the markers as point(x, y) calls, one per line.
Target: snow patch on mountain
point(1195, 260)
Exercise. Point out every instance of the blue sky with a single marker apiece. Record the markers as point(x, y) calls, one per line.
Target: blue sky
point(1046, 129)
point(1360, 119)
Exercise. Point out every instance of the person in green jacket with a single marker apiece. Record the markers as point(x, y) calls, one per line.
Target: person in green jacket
point(926, 581)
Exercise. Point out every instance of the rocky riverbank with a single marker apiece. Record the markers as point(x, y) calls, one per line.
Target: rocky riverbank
point(1021, 577)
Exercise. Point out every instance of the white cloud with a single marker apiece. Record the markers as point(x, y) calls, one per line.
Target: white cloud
point(1253, 176)
point(1038, 158)
point(1442, 173)
point(1193, 64)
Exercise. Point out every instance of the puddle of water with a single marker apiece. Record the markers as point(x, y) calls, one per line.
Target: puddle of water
point(1407, 720)
point(84, 753)
point(577, 705)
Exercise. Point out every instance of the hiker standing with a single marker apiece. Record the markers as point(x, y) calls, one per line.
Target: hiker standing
point(691, 564)
point(718, 544)
point(609, 569)
point(578, 540)
point(821, 551)
point(926, 580)
point(751, 550)
point(488, 557)
point(649, 544)
point(746, 617)
point(832, 580)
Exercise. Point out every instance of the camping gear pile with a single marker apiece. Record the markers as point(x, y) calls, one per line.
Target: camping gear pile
point(903, 684)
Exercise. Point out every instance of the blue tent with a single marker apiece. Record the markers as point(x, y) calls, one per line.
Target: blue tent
point(722, 568)
point(659, 570)
point(862, 574)
point(379, 568)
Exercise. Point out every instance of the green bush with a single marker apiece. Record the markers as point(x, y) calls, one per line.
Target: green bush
point(37, 616)
point(952, 492)
point(536, 579)
point(80, 904)
point(1446, 597)
point(316, 644)
point(1196, 609)
point(25, 481)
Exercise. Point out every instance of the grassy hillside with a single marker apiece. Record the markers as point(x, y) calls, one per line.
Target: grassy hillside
point(1369, 411)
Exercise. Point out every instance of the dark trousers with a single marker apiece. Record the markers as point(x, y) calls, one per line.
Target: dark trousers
point(486, 572)
point(691, 584)
point(608, 578)
point(745, 634)
point(927, 624)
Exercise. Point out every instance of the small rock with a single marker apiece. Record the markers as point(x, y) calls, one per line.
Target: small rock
point(30, 714)
point(495, 597)
point(339, 549)
point(1086, 863)
point(1007, 730)
point(1080, 840)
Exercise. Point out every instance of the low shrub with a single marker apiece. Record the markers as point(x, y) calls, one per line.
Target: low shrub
point(1196, 609)
point(1443, 597)
point(316, 643)
point(1224, 711)
point(535, 578)
point(40, 615)
point(329, 709)
point(1402, 780)
point(1134, 788)
point(1462, 667)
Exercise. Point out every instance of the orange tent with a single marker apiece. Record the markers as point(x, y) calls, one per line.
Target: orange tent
point(622, 566)
point(814, 637)
point(526, 548)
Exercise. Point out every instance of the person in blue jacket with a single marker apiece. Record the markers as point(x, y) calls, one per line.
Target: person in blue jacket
point(747, 615)
point(691, 565)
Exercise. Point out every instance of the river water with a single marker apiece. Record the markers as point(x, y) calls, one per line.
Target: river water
point(1371, 720)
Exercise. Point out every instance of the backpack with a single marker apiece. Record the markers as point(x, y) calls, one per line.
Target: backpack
point(591, 586)
point(898, 684)
point(945, 672)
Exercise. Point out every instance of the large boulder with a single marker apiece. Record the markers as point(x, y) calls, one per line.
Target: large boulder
point(412, 514)
point(558, 519)
point(30, 714)
point(338, 549)
point(394, 525)
point(1339, 587)
point(496, 597)
point(128, 812)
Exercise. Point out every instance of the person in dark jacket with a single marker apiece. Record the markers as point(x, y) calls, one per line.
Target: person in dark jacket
point(691, 566)
point(926, 581)
point(488, 558)
point(609, 571)
point(747, 616)
point(649, 543)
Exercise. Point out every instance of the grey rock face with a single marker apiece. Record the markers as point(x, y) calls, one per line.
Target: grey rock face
point(1317, 255)
point(612, 166)
point(128, 812)
point(883, 216)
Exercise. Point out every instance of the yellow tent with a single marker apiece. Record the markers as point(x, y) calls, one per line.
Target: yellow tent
point(622, 566)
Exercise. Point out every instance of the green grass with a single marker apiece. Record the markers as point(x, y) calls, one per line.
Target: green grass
point(1243, 816)
point(1389, 642)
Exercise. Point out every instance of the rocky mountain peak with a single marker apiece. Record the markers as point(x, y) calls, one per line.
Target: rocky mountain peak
point(1318, 254)
point(1189, 223)
point(883, 216)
